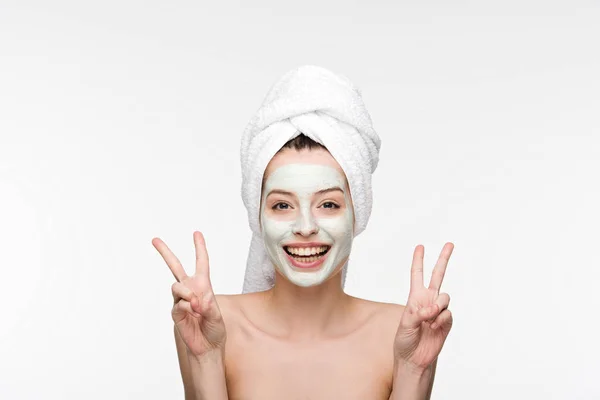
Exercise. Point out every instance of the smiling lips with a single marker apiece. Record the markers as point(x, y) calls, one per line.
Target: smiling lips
point(305, 256)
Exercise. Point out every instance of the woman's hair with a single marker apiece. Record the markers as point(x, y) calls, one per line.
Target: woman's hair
point(301, 142)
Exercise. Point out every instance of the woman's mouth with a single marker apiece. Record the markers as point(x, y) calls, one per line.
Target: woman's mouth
point(307, 257)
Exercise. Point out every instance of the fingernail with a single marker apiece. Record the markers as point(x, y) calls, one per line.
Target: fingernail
point(433, 326)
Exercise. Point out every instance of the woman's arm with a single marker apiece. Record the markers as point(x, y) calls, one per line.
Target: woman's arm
point(208, 375)
point(203, 376)
point(412, 384)
point(184, 366)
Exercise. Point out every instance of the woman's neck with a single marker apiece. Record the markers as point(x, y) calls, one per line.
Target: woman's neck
point(308, 313)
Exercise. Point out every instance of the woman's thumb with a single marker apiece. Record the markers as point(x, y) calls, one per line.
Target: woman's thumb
point(210, 309)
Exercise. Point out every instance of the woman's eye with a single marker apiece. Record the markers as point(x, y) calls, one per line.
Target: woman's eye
point(332, 205)
point(276, 206)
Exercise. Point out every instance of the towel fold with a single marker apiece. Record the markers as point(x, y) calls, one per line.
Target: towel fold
point(329, 109)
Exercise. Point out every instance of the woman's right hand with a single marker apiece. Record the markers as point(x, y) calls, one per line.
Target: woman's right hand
point(195, 311)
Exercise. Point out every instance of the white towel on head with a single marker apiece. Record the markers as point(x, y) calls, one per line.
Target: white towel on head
point(329, 109)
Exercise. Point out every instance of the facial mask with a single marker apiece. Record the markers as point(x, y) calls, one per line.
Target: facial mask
point(302, 219)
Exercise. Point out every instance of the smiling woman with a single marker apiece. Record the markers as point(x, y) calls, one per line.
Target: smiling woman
point(310, 239)
point(308, 108)
point(307, 159)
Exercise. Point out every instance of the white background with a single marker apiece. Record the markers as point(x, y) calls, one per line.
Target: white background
point(121, 121)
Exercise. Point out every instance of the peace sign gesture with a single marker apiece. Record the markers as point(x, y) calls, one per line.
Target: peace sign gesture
point(195, 311)
point(426, 320)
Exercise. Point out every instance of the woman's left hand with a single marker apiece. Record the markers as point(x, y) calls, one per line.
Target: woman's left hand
point(426, 320)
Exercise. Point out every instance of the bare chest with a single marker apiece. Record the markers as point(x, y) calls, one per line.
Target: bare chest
point(260, 368)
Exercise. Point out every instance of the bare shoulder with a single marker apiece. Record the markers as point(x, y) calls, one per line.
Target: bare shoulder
point(229, 303)
point(233, 306)
point(384, 317)
point(237, 301)
point(379, 309)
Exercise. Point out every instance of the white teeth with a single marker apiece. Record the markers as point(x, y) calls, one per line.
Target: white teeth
point(308, 259)
point(306, 251)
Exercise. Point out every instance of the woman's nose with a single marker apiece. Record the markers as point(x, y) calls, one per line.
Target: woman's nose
point(305, 224)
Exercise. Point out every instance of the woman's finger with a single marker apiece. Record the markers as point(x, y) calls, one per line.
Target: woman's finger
point(437, 276)
point(170, 258)
point(428, 312)
point(202, 267)
point(180, 291)
point(445, 318)
point(209, 308)
point(443, 301)
point(183, 308)
point(413, 317)
point(416, 269)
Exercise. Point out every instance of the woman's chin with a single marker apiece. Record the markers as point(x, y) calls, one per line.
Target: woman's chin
point(302, 278)
point(308, 279)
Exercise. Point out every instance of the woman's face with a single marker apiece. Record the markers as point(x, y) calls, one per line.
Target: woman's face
point(306, 216)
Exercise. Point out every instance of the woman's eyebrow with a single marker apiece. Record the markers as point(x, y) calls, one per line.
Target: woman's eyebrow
point(330, 190)
point(286, 193)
